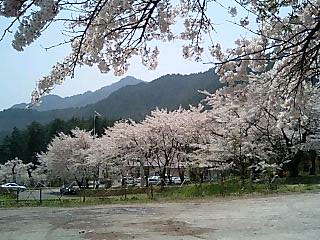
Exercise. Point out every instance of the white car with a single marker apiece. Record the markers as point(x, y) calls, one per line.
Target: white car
point(137, 180)
point(176, 180)
point(13, 186)
point(129, 181)
point(154, 180)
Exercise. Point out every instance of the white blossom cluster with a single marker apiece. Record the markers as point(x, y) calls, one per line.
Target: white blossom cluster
point(109, 33)
point(16, 171)
point(70, 157)
point(268, 172)
point(58, 73)
point(10, 8)
point(31, 26)
point(284, 50)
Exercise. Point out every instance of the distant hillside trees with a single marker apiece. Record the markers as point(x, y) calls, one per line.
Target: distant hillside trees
point(26, 143)
point(135, 101)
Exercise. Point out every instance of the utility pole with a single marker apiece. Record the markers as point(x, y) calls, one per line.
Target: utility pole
point(95, 114)
point(94, 125)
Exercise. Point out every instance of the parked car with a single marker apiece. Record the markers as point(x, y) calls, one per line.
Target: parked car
point(137, 180)
point(14, 186)
point(154, 180)
point(68, 189)
point(176, 180)
point(129, 181)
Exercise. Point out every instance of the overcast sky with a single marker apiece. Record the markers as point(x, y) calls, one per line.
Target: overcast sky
point(19, 71)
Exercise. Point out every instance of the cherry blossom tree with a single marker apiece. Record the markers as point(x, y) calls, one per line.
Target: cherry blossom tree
point(229, 144)
point(120, 146)
point(277, 70)
point(133, 144)
point(68, 157)
point(162, 139)
point(169, 135)
point(109, 33)
point(251, 125)
point(14, 171)
point(103, 164)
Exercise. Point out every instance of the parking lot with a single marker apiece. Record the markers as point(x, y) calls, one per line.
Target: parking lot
point(282, 217)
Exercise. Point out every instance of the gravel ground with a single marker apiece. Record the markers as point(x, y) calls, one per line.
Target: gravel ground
point(282, 217)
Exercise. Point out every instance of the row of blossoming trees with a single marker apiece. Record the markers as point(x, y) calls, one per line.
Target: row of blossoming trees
point(264, 120)
point(240, 129)
point(237, 131)
point(246, 128)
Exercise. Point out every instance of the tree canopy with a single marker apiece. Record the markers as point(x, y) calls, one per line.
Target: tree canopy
point(108, 33)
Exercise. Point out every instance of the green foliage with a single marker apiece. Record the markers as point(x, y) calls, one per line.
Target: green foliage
point(27, 143)
point(6, 196)
point(232, 187)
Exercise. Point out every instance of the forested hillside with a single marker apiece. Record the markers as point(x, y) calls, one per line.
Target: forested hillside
point(169, 91)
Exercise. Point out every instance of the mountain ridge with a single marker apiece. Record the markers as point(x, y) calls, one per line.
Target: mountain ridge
point(53, 102)
point(132, 101)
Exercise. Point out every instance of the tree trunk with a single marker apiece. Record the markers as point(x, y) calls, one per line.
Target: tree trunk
point(146, 173)
point(142, 175)
point(181, 174)
point(313, 157)
point(79, 183)
point(169, 176)
point(14, 177)
point(294, 164)
point(163, 176)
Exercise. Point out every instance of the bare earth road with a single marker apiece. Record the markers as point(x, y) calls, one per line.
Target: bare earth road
point(281, 217)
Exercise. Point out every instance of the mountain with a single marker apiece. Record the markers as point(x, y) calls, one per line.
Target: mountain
point(52, 102)
point(134, 101)
point(169, 91)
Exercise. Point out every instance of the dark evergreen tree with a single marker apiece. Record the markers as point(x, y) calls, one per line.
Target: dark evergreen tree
point(57, 126)
point(17, 144)
point(5, 152)
point(36, 140)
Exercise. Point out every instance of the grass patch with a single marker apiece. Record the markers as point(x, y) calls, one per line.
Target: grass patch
point(6, 196)
point(233, 187)
point(230, 187)
point(298, 188)
point(75, 202)
point(301, 180)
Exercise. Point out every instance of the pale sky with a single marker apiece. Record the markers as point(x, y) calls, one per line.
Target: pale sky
point(19, 71)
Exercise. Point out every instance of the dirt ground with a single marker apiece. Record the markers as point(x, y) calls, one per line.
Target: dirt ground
point(281, 217)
